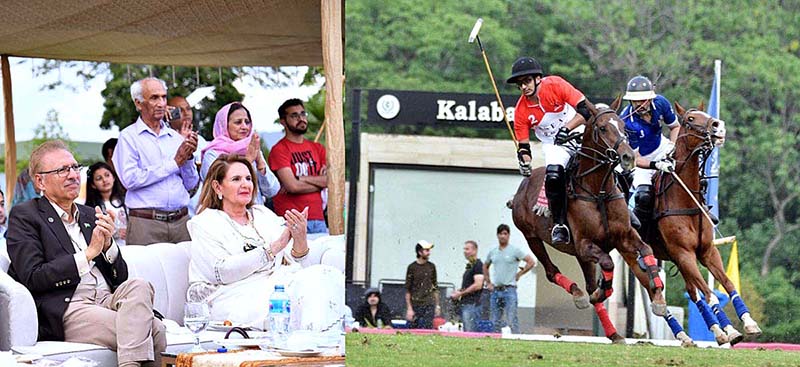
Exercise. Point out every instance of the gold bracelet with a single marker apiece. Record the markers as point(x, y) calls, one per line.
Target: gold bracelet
point(296, 256)
point(270, 255)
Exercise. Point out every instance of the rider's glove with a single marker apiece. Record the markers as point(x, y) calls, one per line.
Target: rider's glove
point(562, 136)
point(524, 166)
point(664, 165)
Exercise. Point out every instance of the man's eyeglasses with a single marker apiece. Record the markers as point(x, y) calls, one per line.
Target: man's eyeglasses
point(524, 81)
point(63, 171)
point(297, 115)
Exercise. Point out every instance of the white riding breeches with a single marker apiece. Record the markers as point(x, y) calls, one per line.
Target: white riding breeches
point(556, 154)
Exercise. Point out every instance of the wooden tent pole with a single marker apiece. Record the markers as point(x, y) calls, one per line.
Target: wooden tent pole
point(332, 59)
point(11, 141)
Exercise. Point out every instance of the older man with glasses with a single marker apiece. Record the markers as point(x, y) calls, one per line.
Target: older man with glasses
point(301, 167)
point(155, 163)
point(65, 255)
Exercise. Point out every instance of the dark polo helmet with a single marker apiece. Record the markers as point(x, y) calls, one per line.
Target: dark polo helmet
point(524, 66)
point(639, 89)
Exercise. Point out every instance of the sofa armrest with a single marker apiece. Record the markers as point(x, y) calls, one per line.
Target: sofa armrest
point(19, 324)
point(326, 250)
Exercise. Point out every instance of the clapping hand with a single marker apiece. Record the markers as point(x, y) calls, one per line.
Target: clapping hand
point(186, 150)
point(253, 149)
point(101, 234)
point(297, 222)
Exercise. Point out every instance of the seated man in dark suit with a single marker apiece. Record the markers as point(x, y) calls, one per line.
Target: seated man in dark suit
point(64, 254)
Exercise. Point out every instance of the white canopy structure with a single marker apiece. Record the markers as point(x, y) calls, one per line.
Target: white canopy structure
point(185, 33)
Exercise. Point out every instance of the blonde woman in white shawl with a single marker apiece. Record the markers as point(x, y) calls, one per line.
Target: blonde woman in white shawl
point(240, 251)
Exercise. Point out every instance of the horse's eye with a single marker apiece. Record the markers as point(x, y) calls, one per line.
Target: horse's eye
point(691, 119)
point(603, 128)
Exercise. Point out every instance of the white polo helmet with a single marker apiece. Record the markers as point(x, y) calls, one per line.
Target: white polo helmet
point(639, 89)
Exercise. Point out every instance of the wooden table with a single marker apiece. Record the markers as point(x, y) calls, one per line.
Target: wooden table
point(185, 360)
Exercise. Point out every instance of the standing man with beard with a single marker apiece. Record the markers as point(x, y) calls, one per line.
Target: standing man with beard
point(300, 166)
point(422, 289)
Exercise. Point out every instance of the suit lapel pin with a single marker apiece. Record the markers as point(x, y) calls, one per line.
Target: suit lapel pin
point(50, 219)
point(86, 225)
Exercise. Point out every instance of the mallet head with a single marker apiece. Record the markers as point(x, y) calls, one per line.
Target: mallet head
point(475, 30)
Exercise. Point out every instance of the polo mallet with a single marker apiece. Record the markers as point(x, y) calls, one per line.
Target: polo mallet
point(702, 209)
point(472, 37)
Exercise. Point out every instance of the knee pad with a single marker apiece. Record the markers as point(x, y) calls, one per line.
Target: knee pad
point(644, 197)
point(554, 177)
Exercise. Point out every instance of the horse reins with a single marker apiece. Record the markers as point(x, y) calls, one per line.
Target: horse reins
point(609, 158)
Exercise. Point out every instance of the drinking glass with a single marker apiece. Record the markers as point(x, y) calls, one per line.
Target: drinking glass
point(195, 318)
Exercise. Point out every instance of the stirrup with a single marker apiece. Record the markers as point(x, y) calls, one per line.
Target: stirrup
point(560, 235)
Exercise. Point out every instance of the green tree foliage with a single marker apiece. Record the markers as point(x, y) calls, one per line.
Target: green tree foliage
point(421, 45)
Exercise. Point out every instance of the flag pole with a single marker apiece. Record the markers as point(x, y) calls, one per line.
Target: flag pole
point(715, 153)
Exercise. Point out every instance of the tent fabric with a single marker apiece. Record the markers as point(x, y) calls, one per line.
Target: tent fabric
point(172, 32)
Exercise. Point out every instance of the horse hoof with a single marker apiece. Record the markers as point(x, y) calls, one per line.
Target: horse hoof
point(719, 335)
point(734, 336)
point(686, 341)
point(659, 309)
point(581, 299)
point(597, 296)
point(617, 339)
point(752, 331)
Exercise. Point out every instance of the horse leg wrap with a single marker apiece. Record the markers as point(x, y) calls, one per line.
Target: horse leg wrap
point(674, 326)
point(708, 316)
point(607, 282)
point(652, 271)
point(602, 314)
point(563, 282)
point(718, 312)
point(738, 304)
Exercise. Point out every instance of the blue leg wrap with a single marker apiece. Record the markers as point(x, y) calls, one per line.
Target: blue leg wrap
point(673, 324)
point(708, 316)
point(738, 304)
point(721, 316)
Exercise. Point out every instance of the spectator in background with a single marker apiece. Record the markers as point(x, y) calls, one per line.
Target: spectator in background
point(469, 295)
point(2, 214)
point(108, 151)
point(422, 289)
point(301, 167)
point(373, 313)
point(234, 134)
point(155, 164)
point(503, 282)
point(4, 260)
point(187, 118)
point(104, 190)
point(24, 189)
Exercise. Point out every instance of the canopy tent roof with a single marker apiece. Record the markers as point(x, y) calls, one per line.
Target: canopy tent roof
point(173, 32)
point(185, 33)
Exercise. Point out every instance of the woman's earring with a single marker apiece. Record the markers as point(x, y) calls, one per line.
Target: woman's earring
point(219, 196)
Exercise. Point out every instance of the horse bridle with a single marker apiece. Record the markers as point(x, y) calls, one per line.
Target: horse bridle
point(610, 156)
point(699, 131)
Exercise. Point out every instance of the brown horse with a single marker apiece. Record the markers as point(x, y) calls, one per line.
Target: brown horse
point(598, 216)
point(685, 235)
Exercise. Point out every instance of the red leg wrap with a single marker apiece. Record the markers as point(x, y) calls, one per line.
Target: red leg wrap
point(608, 280)
point(602, 314)
point(652, 270)
point(563, 282)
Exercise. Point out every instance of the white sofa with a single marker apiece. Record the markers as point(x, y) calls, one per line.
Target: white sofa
point(165, 265)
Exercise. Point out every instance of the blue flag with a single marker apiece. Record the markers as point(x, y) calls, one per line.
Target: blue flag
point(712, 164)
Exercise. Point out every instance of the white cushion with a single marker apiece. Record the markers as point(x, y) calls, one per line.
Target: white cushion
point(18, 322)
point(166, 266)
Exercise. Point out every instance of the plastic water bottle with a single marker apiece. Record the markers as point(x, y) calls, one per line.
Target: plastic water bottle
point(279, 314)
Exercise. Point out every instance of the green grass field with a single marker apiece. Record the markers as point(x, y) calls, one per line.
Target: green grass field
point(424, 350)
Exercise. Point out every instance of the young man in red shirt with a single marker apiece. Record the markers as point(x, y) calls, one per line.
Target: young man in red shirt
point(553, 107)
point(301, 167)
